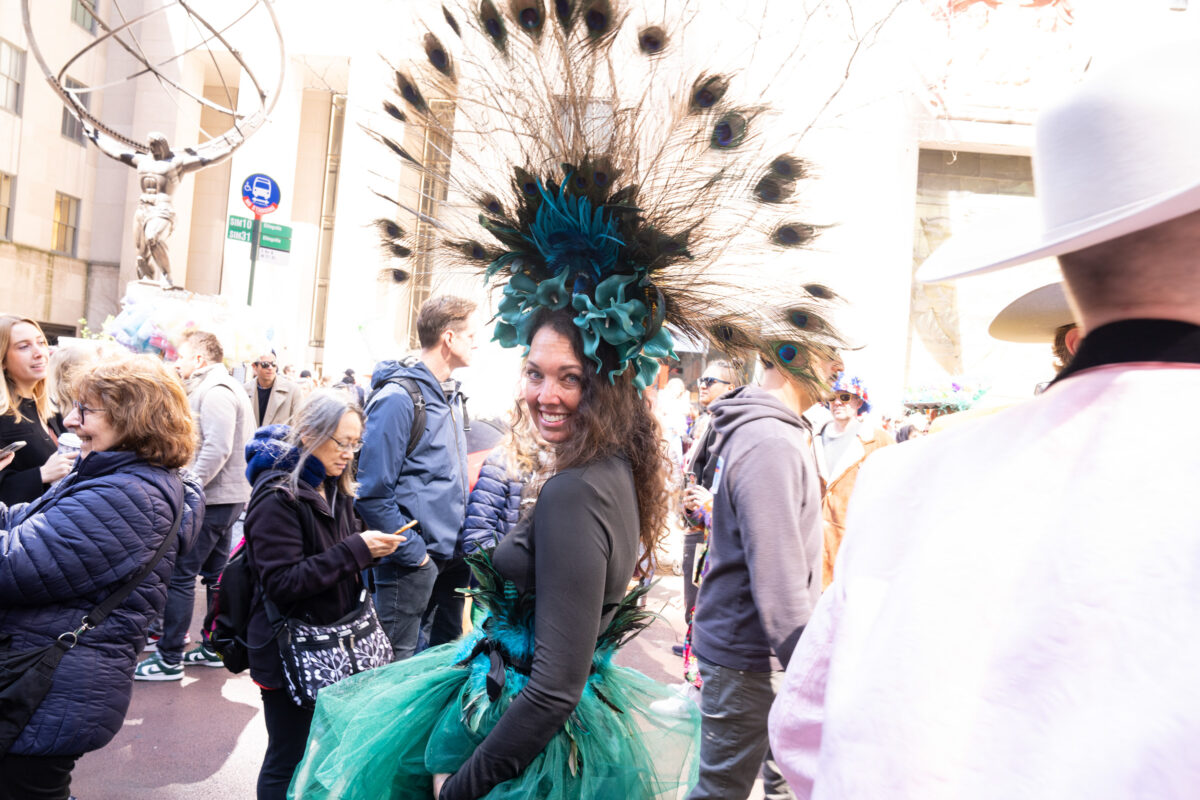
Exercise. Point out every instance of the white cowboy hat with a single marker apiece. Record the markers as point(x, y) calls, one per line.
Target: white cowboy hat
point(1034, 316)
point(1121, 153)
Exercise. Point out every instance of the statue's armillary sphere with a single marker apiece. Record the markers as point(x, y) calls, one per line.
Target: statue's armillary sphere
point(159, 167)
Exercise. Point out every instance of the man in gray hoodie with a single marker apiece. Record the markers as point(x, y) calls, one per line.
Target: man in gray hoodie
point(764, 577)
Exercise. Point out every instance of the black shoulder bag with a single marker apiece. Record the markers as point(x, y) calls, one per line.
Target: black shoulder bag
point(26, 675)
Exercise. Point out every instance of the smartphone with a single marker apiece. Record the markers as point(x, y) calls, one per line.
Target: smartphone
point(11, 448)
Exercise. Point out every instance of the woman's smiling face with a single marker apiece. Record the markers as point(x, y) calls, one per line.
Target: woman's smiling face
point(553, 384)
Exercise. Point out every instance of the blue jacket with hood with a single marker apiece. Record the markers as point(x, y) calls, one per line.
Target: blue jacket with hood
point(60, 557)
point(431, 484)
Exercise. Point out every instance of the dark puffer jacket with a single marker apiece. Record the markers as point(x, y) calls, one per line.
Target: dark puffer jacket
point(494, 506)
point(60, 557)
point(317, 581)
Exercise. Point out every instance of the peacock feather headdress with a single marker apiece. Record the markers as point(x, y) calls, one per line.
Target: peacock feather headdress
point(599, 176)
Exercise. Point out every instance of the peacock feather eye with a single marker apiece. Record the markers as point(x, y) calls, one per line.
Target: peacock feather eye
point(530, 188)
point(730, 131)
point(600, 178)
point(787, 352)
point(451, 21)
point(773, 189)
point(708, 91)
point(798, 318)
point(818, 291)
point(394, 112)
point(787, 167)
point(438, 56)
point(529, 14)
point(493, 24)
point(652, 40)
point(564, 12)
point(490, 204)
point(793, 234)
point(409, 91)
point(580, 182)
point(598, 19)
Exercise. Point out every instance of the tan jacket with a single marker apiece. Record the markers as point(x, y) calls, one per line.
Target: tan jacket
point(283, 403)
point(837, 483)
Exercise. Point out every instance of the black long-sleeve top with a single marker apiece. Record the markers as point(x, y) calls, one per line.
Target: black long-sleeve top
point(577, 553)
point(21, 481)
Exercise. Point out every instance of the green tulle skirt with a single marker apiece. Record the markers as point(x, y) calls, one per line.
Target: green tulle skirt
point(385, 733)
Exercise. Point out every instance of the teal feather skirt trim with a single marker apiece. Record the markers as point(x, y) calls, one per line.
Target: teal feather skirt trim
point(383, 734)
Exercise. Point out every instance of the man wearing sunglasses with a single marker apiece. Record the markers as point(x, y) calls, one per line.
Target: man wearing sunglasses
point(841, 447)
point(275, 398)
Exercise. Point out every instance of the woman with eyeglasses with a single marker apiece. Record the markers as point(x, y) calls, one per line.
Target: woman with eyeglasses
point(62, 555)
point(314, 576)
point(25, 410)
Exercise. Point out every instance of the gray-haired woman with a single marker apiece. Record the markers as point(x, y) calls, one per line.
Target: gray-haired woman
point(314, 577)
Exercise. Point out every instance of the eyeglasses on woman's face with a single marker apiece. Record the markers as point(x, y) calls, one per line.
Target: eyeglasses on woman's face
point(347, 447)
point(84, 411)
point(708, 381)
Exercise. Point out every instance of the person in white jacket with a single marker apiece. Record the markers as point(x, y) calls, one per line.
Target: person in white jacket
point(1014, 610)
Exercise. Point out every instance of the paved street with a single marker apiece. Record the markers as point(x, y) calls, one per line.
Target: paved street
point(203, 737)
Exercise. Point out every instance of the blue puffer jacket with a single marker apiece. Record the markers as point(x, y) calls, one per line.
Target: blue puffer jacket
point(494, 506)
point(62, 555)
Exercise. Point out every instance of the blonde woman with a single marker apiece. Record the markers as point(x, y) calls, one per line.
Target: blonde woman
point(24, 411)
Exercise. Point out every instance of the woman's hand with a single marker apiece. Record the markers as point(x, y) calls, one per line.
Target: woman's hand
point(56, 466)
point(382, 544)
point(438, 781)
point(6, 459)
point(695, 498)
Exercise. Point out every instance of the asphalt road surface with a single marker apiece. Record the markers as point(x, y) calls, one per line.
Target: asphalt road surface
point(203, 737)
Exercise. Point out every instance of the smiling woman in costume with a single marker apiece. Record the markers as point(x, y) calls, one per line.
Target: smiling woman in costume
point(608, 230)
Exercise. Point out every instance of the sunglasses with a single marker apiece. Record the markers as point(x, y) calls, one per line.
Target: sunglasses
point(265, 364)
point(845, 397)
point(708, 382)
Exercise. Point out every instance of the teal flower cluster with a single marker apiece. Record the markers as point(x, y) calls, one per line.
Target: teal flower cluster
point(576, 247)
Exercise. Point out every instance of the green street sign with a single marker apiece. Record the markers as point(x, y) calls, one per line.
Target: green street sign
point(271, 235)
point(239, 228)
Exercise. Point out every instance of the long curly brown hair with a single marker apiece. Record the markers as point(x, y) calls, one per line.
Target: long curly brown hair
point(613, 419)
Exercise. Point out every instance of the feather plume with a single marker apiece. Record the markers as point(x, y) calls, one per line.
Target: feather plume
point(594, 168)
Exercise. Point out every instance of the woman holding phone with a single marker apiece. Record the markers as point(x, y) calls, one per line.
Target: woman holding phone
point(24, 409)
point(314, 577)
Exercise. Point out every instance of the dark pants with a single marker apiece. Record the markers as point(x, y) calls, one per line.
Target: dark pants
point(690, 542)
point(734, 705)
point(36, 777)
point(287, 734)
point(443, 618)
point(206, 557)
point(418, 605)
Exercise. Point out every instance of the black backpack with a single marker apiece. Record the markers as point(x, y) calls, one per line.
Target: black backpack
point(418, 400)
point(226, 626)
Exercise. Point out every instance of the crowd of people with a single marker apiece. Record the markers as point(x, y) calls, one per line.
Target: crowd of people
point(1021, 629)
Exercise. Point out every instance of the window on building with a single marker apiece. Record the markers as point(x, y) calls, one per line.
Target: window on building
point(81, 14)
point(66, 223)
point(72, 128)
point(436, 149)
point(12, 76)
point(6, 205)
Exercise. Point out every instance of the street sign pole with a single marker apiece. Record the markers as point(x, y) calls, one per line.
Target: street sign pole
point(254, 229)
point(260, 194)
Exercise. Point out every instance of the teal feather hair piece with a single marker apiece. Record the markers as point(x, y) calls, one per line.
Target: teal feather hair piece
point(606, 176)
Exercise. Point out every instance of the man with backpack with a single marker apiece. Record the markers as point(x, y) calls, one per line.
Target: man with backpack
point(413, 466)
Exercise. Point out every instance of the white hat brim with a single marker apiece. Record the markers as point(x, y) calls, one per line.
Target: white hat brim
point(1034, 316)
point(965, 255)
